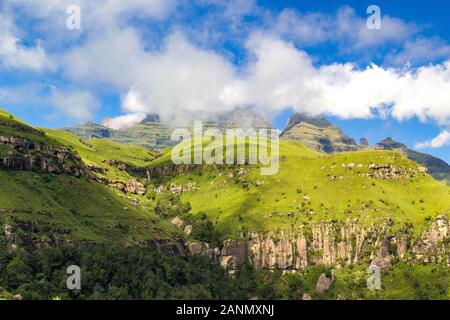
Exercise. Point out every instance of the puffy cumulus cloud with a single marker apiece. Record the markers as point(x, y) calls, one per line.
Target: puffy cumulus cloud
point(133, 101)
point(180, 78)
point(113, 58)
point(124, 122)
point(282, 76)
point(15, 55)
point(443, 139)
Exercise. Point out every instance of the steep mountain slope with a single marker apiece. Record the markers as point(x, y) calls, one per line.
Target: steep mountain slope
point(367, 206)
point(438, 168)
point(317, 133)
point(154, 134)
point(48, 196)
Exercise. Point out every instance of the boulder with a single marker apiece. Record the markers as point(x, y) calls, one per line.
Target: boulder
point(306, 297)
point(188, 230)
point(324, 283)
point(177, 222)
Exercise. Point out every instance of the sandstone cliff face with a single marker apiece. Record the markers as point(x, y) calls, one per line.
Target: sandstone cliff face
point(331, 244)
point(21, 154)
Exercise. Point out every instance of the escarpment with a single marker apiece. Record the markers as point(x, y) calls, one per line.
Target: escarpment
point(331, 243)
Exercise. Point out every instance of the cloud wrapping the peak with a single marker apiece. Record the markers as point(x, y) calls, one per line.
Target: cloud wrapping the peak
point(124, 122)
point(180, 78)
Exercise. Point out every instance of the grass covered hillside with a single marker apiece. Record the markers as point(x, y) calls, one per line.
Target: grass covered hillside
point(309, 186)
point(41, 206)
point(105, 156)
point(53, 208)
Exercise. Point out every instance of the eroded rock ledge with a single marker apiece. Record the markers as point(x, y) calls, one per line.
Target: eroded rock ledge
point(331, 243)
point(21, 154)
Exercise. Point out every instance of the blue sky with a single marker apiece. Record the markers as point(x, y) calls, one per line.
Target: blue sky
point(178, 58)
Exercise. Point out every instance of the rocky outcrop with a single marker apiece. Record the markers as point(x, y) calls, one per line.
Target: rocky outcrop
point(363, 143)
point(434, 244)
point(391, 172)
point(324, 283)
point(22, 154)
point(331, 243)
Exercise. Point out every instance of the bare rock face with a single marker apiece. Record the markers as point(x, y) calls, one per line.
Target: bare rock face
point(202, 249)
point(391, 172)
point(324, 283)
point(363, 144)
point(306, 297)
point(188, 230)
point(342, 244)
point(233, 254)
point(135, 187)
point(433, 245)
point(177, 222)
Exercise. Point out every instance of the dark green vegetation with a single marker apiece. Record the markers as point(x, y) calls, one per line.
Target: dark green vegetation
point(114, 272)
point(438, 168)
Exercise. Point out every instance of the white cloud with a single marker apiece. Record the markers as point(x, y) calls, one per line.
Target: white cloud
point(133, 101)
point(176, 79)
point(180, 78)
point(15, 55)
point(124, 122)
point(282, 76)
point(422, 50)
point(344, 27)
point(443, 139)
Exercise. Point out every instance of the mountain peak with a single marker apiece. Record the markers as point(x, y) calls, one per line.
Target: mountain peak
point(390, 144)
point(318, 133)
point(298, 118)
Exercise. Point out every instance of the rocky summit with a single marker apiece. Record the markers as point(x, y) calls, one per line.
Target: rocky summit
point(318, 134)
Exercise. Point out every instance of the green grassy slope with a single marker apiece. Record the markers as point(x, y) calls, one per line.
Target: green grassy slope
point(95, 152)
point(312, 187)
point(14, 127)
point(438, 168)
point(84, 209)
point(76, 208)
